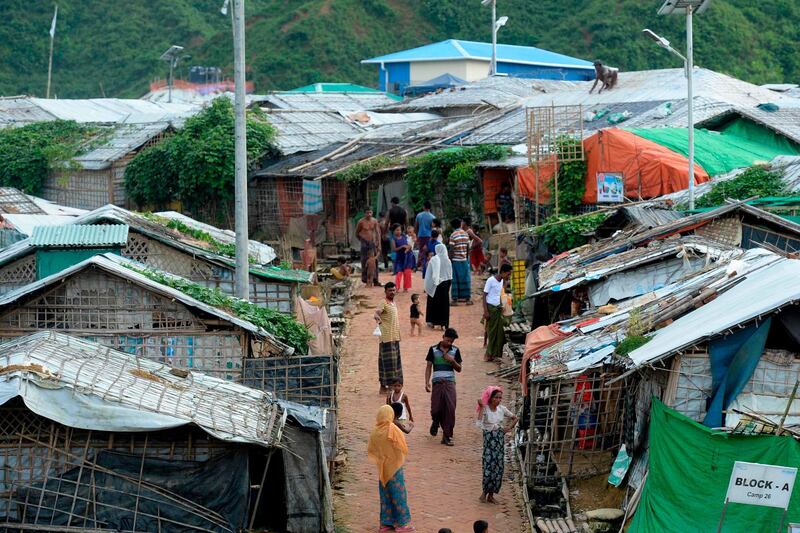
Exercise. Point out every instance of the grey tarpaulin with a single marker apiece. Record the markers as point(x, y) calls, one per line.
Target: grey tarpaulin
point(219, 485)
point(306, 498)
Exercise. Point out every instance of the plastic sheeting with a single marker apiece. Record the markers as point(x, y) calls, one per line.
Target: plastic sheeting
point(717, 153)
point(733, 360)
point(648, 169)
point(117, 500)
point(302, 463)
point(317, 321)
point(632, 283)
point(690, 467)
point(84, 411)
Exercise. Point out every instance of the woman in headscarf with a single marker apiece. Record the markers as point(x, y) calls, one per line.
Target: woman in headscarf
point(388, 449)
point(491, 417)
point(438, 277)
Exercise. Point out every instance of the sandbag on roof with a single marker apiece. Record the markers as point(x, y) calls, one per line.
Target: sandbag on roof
point(717, 153)
point(649, 169)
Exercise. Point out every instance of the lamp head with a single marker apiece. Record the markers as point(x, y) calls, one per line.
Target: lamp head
point(660, 41)
point(501, 22)
point(486, 2)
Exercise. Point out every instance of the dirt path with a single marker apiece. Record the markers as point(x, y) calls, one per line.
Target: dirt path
point(443, 482)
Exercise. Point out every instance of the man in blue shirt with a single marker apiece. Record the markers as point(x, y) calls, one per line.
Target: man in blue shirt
point(422, 225)
point(444, 360)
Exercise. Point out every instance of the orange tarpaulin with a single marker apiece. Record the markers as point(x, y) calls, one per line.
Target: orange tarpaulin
point(493, 181)
point(526, 181)
point(648, 169)
point(536, 341)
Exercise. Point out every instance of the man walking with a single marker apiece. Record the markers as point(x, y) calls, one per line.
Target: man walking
point(397, 214)
point(459, 242)
point(444, 360)
point(390, 367)
point(368, 233)
point(422, 225)
point(493, 312)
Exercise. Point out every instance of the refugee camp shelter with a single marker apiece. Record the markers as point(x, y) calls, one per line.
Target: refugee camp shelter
point(95, 439)
point(97, 177)
point(470, 61)
point(173, 243)
point(105, 300)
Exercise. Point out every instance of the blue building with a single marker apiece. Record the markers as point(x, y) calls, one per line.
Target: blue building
point(470, 61)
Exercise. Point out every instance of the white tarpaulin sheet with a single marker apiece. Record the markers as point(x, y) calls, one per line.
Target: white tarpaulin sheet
point(83, 411)
point(641, 281)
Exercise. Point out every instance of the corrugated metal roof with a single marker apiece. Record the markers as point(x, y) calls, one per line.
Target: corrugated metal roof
point(459, 49)
point(226, 410)
point(26, 223)
point(70, 235)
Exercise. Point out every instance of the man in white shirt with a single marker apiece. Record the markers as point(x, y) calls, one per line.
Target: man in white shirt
point(493, 312)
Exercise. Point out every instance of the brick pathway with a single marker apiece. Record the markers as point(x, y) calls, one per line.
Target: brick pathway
point(443, 482)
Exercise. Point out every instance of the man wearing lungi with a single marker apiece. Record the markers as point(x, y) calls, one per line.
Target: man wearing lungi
point(444, 360)
point(390, 367)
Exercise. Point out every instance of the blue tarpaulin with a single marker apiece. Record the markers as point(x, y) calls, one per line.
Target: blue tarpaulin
point(733, 360)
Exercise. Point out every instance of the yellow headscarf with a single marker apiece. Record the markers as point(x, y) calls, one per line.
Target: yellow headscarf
point(387, 446)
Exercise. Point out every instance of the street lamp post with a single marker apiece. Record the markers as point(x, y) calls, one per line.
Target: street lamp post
point(242, 288)
point(493, 64)
point(496, 25)
point(171, 55)
point(687, 8)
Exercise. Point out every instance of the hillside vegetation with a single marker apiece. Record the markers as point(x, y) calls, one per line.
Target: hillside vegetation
point(105, 47)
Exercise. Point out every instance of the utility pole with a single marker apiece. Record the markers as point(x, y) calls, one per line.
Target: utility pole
point(52, 39)
point(494, 38)
point(242, 240)
point(690, 96)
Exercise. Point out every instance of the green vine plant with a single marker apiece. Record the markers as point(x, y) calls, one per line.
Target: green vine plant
point(450, 174)
point(30, 153)
point(196, 164)
point(571, 176)
point(756, 181)
point(635, 333)
point(364, 169)
point(282, 326)
point(220, 248)
point(565, 232)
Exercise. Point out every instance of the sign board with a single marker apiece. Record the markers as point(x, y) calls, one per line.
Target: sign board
point(757, 484)
point(610, 187)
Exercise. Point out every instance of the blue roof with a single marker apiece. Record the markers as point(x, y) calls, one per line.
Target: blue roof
point(506, 53)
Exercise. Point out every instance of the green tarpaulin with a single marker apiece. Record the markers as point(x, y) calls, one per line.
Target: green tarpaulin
point(717, 153)
point(751, 131)
point(689, 469)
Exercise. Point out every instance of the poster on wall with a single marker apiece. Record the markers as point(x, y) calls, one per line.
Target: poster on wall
point(610, 187)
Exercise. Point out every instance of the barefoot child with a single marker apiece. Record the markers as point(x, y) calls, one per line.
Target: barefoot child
point(397, 395)
point(415, 315)
point(372, 269)
point(405, 425)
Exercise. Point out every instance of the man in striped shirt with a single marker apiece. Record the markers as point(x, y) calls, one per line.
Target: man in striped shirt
point(443, 361)
point(459, 244)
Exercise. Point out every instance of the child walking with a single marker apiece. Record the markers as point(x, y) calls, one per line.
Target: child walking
point(415, 315)
point(398, 395)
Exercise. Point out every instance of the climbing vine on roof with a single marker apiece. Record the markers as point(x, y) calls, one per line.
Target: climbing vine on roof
point(565, 232)
point(196, 164)
point(451, 175)
point(755, 181)
point(221, 248)
point(282, 326)
point(28, 154)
